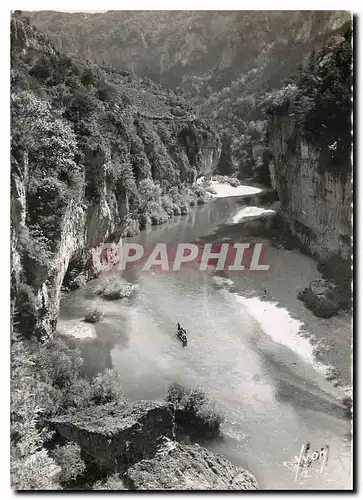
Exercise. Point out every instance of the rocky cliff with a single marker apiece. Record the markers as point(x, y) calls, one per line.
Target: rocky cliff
point(180, 467)
point(316, 205)
point(177, 45)
point(310, 146)
point(84, 140)
point(225, 61)
point(136, 441)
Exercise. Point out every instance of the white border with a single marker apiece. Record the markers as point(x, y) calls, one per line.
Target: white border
point(92, 6)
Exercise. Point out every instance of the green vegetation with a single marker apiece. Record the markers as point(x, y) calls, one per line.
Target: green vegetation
point(231, 61)
point(86, 137)
point(45, 382)
point(195, 412)
point(319, 97)
point(93, 316)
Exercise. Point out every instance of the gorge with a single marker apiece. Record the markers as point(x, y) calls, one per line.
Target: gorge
point(100, 155)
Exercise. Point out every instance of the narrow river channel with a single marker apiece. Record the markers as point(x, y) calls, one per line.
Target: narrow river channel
point(243, 349)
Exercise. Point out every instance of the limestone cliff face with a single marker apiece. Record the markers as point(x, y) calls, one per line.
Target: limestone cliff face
point(82, 228)
point(171, 45)
point(80, 146)
point(315, 203)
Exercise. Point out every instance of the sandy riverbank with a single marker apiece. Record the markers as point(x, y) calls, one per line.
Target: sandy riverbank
point(223, 190)
point(252, 213)
point(272, 301)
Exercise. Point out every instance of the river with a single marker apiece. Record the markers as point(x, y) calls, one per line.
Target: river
point(244, 349)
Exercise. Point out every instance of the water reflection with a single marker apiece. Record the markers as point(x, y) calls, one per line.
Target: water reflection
point(273, 401)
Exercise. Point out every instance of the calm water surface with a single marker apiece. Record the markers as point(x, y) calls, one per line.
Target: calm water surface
point(272, 397)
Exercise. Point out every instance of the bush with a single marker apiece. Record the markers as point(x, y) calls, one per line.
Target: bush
point(131, 229)
point(68, 458)
point(200, 193)
point(35, 472)
point(195, 413)
point(106, 387)
point(113, 482)
point(58, 364)
point(156, 213)
point(168, 205)
point(93, 316)
point(144, 221)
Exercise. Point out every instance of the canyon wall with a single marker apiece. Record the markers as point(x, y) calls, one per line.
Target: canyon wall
point(80, 149)
point(315, 202)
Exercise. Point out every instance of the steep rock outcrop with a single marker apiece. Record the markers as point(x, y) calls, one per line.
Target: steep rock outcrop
point(79, 151)
point(173, 46)
point(180, 467)
point(117, 435)
point(137, 441)
point(316, 204)
point(81, 229)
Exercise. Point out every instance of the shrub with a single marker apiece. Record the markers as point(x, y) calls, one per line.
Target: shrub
point(113, 482)
point(68, 458)
point(144, 221)
point(26, 308)
point(131, 229)
point(168, 205)
point(93, 316)
point(176, 393)
point(156, 213)
point(200, 193)
point(194, 411)
point(106, 387)
point(58, 364)
point(35, 472)
point(148, 192)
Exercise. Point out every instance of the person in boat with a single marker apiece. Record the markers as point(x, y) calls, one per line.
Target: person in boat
point(178, 326)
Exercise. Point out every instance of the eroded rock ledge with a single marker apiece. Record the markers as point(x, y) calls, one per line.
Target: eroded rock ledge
point(181, 467)
point(137, 441)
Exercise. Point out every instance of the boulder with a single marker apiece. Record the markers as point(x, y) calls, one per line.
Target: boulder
point(187, 467)
point(321, 297)
point(116, 435)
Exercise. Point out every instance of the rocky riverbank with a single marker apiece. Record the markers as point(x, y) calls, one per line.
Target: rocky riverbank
point(136, 441)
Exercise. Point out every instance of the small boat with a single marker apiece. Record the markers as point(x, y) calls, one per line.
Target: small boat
point(182, 335)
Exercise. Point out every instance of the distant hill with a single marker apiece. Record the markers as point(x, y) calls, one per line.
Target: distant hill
point(225, 62)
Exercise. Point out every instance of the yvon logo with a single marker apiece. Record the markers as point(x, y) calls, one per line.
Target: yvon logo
point(309, 459)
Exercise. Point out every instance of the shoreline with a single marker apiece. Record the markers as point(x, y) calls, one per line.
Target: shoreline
point(325, 338)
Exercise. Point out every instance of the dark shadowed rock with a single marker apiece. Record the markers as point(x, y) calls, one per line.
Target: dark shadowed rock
point(321, 297)
point(117, 435)
point(180, 467)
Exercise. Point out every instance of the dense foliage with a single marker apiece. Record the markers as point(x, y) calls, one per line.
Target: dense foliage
point(319, 97)
point(231, 60)
point(85, 137)
point(85, 132)
point(195, 412)
point(46, 381)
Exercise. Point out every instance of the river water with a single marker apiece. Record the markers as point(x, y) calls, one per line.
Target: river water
point(243, 349)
